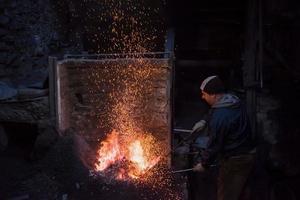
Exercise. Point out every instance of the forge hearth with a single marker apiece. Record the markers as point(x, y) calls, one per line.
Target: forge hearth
point(94, 95)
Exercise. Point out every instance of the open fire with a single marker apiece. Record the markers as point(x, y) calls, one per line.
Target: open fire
point(127, 156)
point(124, 105)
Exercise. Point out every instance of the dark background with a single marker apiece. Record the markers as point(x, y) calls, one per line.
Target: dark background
point(252, 45)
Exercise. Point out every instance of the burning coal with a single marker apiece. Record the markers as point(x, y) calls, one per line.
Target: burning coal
point(127, 157)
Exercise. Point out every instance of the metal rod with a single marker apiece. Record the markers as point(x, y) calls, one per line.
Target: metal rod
point(182, 170)
point(182, 130)
point(189, 169)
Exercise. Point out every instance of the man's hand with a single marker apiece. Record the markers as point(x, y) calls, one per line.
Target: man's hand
point(199, 126)
point(198, 168)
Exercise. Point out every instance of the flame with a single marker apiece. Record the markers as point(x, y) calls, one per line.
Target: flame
point(109, 152)
point(137, 155)
point(132, 151)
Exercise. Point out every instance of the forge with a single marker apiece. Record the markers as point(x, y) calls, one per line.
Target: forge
point(119, 104)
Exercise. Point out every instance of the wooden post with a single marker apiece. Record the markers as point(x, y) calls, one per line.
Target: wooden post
point(169, 48)
point(53, 90)
point(261, 44)
point(250, 60)
point(172, 103)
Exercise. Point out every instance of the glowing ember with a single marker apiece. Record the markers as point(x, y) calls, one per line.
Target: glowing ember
point(133, 152)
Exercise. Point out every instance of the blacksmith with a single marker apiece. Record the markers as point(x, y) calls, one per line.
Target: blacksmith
point(230, 139)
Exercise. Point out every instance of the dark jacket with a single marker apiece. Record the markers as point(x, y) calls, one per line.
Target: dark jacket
point(229, 130)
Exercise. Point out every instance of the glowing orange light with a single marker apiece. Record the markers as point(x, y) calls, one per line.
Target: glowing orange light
point(134, 151)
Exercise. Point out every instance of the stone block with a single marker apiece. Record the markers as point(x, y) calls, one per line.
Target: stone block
point(4, 20)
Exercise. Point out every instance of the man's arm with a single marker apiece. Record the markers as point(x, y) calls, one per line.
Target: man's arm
point(218, 128)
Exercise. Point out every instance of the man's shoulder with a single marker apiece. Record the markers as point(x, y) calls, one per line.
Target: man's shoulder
point(225, 113)
point(225, 110)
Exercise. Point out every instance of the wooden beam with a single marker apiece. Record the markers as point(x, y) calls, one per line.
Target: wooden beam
point(204, 63)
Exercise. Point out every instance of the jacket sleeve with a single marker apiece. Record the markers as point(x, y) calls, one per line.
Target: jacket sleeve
point(218, 128)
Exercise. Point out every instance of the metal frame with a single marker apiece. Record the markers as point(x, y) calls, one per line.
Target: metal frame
point(120, 55)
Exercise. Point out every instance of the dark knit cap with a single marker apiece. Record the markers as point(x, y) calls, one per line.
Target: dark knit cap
point(212, 85)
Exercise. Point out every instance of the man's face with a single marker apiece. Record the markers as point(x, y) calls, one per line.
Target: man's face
point(209, 98)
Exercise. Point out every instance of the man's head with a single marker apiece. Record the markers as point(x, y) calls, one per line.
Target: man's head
point(212, 88)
